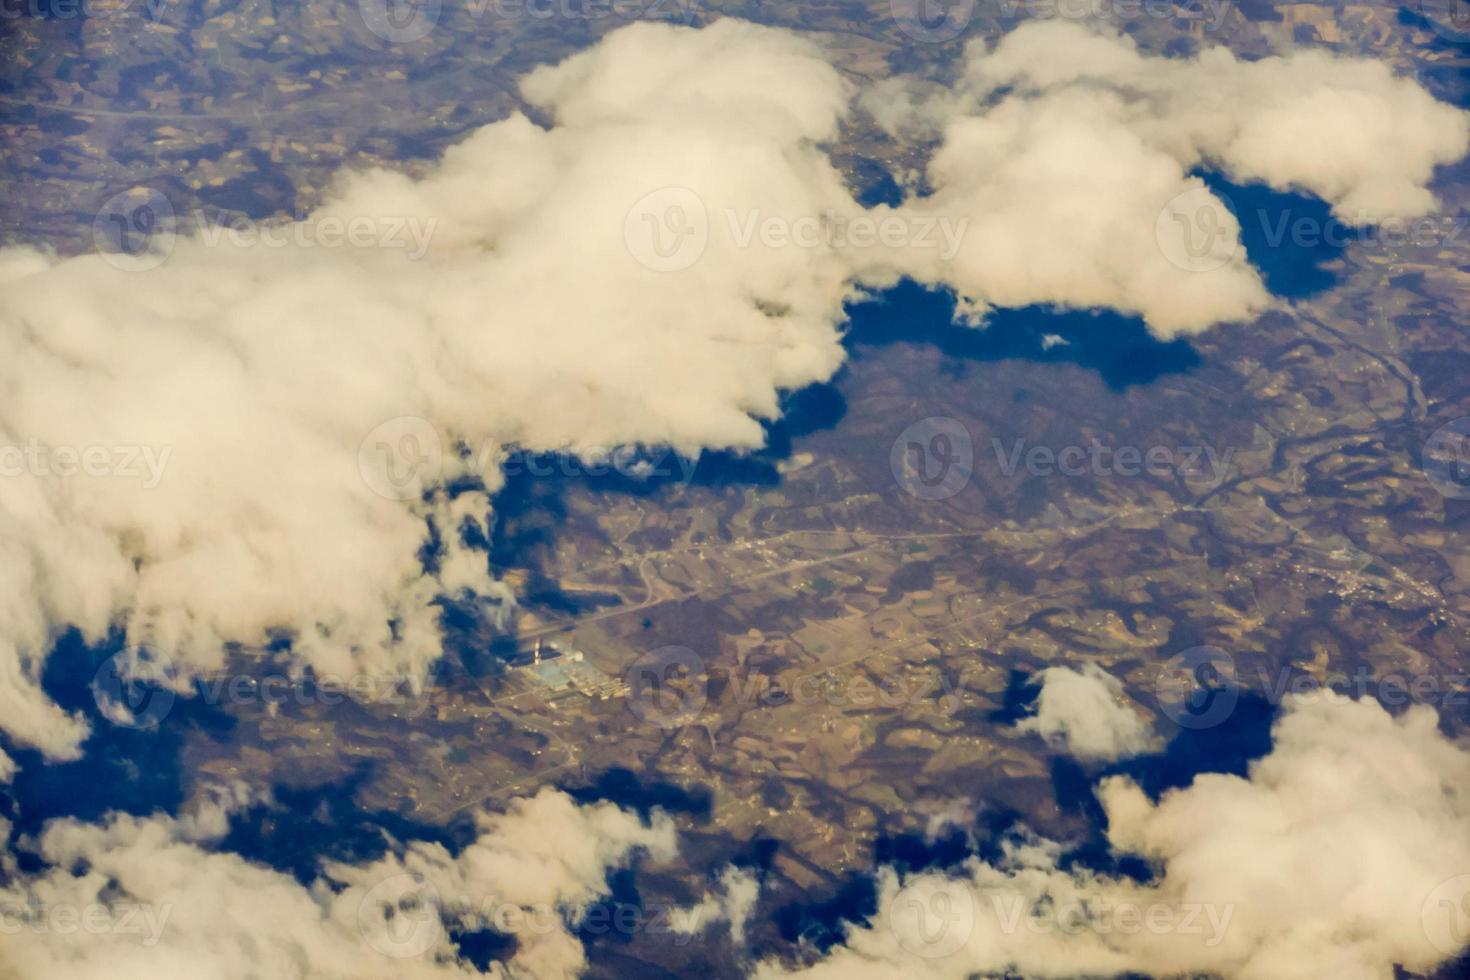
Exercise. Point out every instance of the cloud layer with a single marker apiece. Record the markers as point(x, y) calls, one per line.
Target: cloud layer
point(1071, 153)
point(250, 436)
point(137, 898)
point(265, 372)
point(1331, 859)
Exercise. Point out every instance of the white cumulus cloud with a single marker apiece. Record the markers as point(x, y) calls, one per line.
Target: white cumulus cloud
point(133, 898)
point(1086, 714)
point(1071, 153)
point(1344, 853)
point(231, 443)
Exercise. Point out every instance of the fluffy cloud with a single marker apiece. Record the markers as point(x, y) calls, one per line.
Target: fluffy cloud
point(258, 374)
point(732, 903)
point(235, 441)
point(145, 898)
point(1329, 860)
point(1086, 714)
point(1070, 153)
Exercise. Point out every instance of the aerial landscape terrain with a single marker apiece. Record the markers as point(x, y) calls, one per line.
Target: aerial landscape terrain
point(721, 624)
